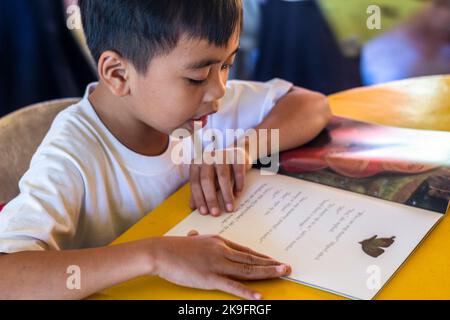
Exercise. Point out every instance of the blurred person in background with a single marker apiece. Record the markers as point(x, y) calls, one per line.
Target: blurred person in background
point(418, 47)
point(245, 62)
point(40, 59)
point(296, 43)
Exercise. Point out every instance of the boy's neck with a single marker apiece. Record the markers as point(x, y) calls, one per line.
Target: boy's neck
point(132, 133)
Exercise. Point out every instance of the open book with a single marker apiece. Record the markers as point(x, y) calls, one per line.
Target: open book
point(346, 210)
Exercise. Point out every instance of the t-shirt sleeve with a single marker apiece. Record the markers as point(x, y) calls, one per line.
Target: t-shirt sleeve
point(247, 103)
point(44, 216)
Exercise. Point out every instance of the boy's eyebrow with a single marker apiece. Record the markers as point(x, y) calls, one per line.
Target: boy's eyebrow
point(205, 63)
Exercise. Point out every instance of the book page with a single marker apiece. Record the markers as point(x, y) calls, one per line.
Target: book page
point(335, 240)
point(406, 166)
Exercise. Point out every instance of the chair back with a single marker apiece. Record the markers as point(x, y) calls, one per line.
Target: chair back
point(21, 133)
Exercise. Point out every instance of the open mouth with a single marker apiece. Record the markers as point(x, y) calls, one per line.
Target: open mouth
point(199, 123)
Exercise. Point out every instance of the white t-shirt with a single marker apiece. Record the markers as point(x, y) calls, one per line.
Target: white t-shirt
point(84, 188)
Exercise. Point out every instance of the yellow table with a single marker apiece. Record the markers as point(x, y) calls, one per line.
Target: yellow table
point(422, 103)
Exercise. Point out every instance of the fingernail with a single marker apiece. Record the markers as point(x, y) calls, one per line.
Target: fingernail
point(203, 210)
point(282, 268)
point(257, 296)
point(215, 211)
point(230, 207)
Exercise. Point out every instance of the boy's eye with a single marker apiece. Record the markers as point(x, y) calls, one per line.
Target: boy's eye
point(196, 82)
point(227, 66)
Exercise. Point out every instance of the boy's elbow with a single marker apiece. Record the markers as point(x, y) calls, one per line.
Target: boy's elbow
point(319, 108)
point(314, 103)
point(323, 109)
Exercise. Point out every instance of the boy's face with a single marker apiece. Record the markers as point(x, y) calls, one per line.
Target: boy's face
point(182, 86)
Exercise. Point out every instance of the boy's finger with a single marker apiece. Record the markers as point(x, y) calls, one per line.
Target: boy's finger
point(193, 233)
point(196, 189)
point(237, 289)
point(220, 199)
point(239, 177)
point(226, 188)
point(244, 271)
point(207, 180)
point(240, 257)
point(192, 202)
point(220, 196)
point(243, 249)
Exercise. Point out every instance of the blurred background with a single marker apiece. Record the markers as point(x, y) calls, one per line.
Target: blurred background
point(323, 45)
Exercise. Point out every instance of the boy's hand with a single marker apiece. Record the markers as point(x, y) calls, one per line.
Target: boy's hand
point(215, 186)
point(213, 263)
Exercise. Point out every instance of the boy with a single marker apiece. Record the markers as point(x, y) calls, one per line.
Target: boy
point(106, 161)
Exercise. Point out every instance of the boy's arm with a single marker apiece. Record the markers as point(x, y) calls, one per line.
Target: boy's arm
point(204, 262)
point(43, 274)
point(300, 116)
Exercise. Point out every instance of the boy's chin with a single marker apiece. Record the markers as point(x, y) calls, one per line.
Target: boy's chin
point(192, 127)
point(186, 129)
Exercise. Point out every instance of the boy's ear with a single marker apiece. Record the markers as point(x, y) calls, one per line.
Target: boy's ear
point(114, 71)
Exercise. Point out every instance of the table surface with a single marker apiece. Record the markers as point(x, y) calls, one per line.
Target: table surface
point(422, 103)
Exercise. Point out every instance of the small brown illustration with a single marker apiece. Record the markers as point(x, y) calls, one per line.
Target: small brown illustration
point(372, 246)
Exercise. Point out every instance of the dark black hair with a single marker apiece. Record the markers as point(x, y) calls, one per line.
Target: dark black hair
point(140, 30)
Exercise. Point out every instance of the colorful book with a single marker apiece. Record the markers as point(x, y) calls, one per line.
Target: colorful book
point(346, 210)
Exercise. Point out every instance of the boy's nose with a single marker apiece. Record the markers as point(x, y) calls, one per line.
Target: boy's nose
point(214, 106)
point(216, 91)
point(209, 108)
